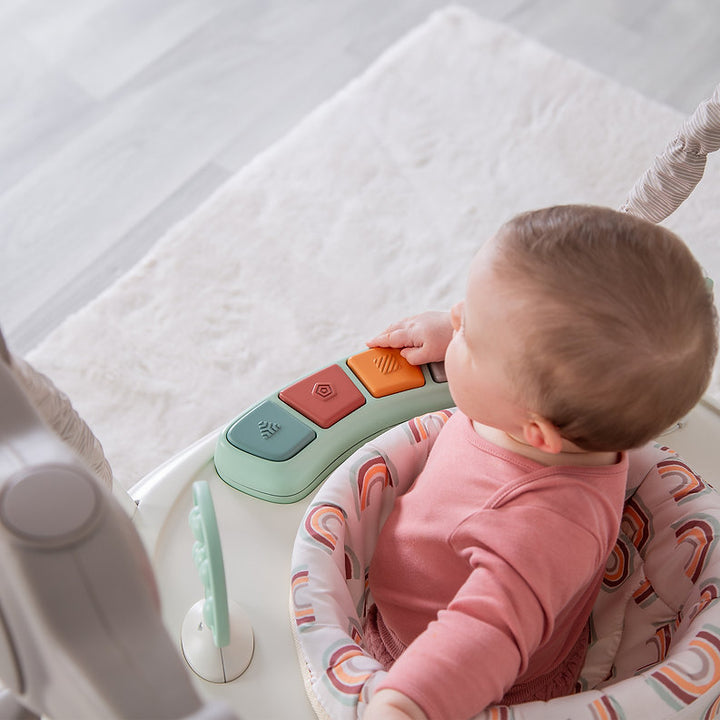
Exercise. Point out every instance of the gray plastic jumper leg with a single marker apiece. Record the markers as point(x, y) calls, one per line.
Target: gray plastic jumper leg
point(81, 634)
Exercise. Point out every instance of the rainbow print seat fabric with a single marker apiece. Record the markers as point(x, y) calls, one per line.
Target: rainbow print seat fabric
point(655, 646)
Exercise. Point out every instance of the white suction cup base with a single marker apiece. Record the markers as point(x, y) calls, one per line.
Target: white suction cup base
point(217, 665)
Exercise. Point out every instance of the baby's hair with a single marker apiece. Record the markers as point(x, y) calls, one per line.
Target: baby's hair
point(620, 329)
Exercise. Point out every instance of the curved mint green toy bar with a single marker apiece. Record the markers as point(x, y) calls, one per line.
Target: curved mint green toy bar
point(207, 554)
point(283, 447)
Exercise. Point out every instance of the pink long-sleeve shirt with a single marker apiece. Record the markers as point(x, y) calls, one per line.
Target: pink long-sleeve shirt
point(488, 567)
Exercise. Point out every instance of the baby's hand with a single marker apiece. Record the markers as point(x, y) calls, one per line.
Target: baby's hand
point(423, 338)
point(392, 705)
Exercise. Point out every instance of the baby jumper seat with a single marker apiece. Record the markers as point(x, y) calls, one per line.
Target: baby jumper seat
point(655, 628)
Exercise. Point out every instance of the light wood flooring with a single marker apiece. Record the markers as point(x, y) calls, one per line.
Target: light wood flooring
point(119, 117)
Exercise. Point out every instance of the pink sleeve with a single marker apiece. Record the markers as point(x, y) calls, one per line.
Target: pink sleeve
point(527, 563)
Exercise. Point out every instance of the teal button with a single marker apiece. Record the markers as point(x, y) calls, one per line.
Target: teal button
point(270, 432)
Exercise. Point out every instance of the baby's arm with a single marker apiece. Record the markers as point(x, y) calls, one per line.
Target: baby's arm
point(423, 338)
point(520, 583)
point(393, 705)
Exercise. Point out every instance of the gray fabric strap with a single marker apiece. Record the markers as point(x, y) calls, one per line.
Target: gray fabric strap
point(675, 173)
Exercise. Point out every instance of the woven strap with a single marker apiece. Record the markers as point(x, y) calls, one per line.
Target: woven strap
point(675, 173)
point(58, 412)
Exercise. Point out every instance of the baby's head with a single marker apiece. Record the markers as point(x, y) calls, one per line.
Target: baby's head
point(596, 321)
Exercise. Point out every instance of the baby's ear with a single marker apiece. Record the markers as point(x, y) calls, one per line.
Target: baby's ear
point(542, 434)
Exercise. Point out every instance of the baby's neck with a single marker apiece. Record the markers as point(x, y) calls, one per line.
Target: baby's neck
point(569, 455)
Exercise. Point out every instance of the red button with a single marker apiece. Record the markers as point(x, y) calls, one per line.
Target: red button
point(325, 397)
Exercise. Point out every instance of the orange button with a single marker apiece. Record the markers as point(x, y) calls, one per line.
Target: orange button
point(384, 371)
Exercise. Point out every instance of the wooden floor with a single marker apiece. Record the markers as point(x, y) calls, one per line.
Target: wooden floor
point(119, 117)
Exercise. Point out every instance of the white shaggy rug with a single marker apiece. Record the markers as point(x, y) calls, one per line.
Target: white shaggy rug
point(368, 211)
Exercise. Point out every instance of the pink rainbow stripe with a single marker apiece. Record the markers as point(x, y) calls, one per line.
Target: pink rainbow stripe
point(318, 521)
point(304, 613)
point(373, 472)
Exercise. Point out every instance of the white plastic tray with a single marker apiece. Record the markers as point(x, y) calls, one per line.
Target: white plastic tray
point(257, 539)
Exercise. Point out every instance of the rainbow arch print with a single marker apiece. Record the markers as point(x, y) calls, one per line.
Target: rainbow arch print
point(501, 712)
point(619, 565)
point(372, 473)
point(689, 485)
point(352, 564)
point(680, 685)
point(636, 523)
point(417, 427)
point(645, 594)
point(701, 533)
point(363, 602)
point(347, 669)
point(318, 525)
point(354, 631)
point(662, 640)
point(709, 594)
point(713, 712)
point(299, 586)
point(605, 708)
point(665, 633)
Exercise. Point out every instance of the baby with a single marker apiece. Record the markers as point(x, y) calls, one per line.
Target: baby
point(584, 333)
